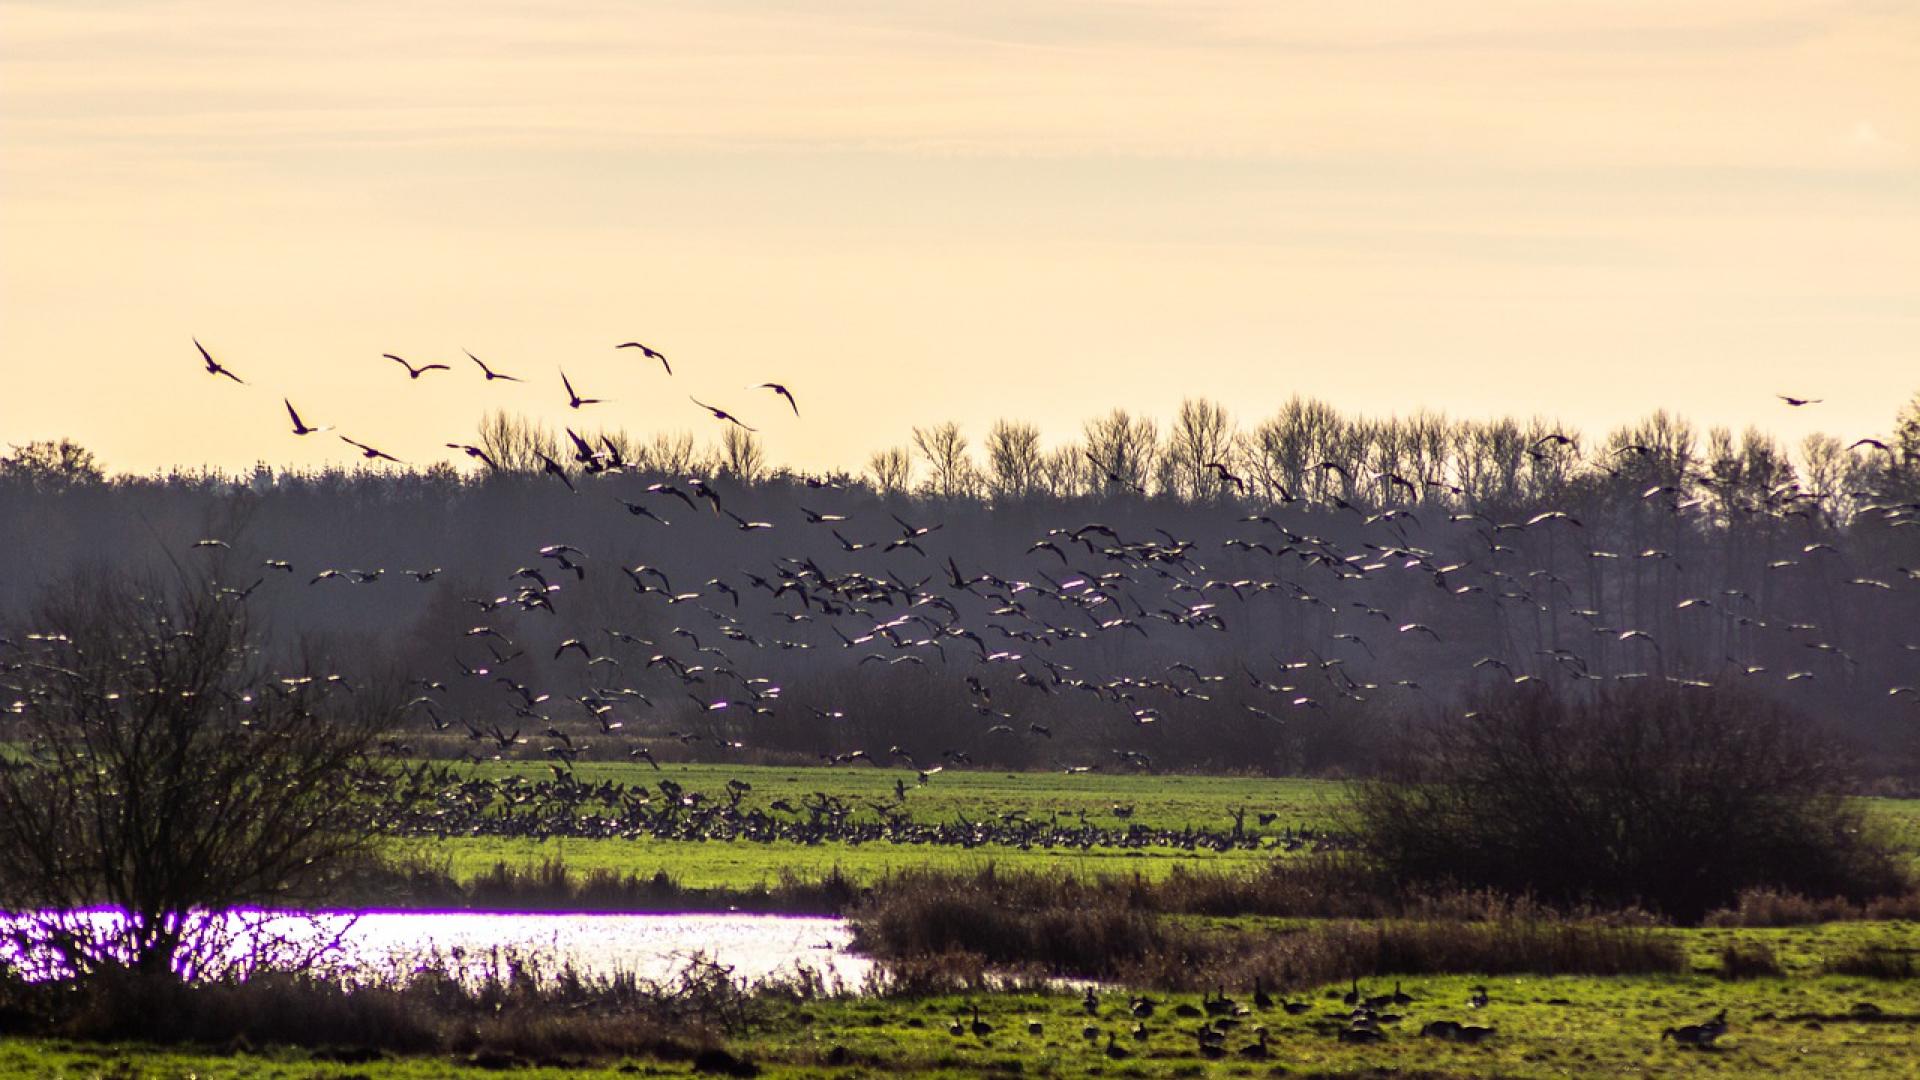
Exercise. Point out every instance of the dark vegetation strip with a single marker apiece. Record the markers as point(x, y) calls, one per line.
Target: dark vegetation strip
point(937, 929)
point(514, 1015)
point(1314, 887)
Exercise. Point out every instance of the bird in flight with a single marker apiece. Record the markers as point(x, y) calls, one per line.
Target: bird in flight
point(1226, 476)
point(416, 372)
point(369, 452)
point(722, 414)
point(573, 399)
point(783, 392)
point(299, 427)
point(213, 366)
point(555, 469)
point(1796, 402)
point(489, 372)
point(648, 353)
point(474, 452)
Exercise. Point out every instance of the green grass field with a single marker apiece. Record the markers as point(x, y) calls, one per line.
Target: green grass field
point(1545, 1027)
point(1803, 1022)
point(743, 864)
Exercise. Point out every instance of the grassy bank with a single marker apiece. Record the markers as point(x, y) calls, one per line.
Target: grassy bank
point(1809, 989)
point(740, 864)
point(1543, 1027)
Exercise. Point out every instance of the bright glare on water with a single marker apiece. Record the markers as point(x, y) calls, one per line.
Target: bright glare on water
point(653, 947)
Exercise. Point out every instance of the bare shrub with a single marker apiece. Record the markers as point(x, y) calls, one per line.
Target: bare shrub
point(1748, 960)
point(1875, 962)
point(163, 771)
point(1771, 907)
point(940, 930)
point(1674, 797)
point(515, 1007)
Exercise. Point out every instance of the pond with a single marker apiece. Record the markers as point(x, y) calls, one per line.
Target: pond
point(475, 944)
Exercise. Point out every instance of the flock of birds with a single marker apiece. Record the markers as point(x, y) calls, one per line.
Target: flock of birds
point(1098, 625)
point(1078, 631)
point(415, 371)
point(438, 801)
point(1360, 1018)
point(1078, 628)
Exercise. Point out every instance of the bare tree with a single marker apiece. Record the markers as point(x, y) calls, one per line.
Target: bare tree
point(1123, 450)
point(1064, 472)
point(162, 771)
point(672, 454)
point(1906, 432)
point(1202, 436)
point(945, 450)
point(891, 469)
point(741, 455)
point(515, 442)
point(1013, 460)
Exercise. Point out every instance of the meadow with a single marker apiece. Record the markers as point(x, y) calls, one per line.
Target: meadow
point(1811, 998)
point(1545, 1026)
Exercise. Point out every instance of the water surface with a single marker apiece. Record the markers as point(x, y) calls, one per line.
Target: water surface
point(654, 947)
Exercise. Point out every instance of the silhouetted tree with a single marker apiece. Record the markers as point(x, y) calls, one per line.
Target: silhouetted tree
point(1675, 797)
point(891, 470)
point(1202, 434)
point(951, 472)
point(1013, 461)
point(50, 466)
point(741, 456)
point(515, 442)
point(1123, 450)
point(159, 768)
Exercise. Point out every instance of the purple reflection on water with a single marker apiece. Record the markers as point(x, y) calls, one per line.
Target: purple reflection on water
point(475, 944)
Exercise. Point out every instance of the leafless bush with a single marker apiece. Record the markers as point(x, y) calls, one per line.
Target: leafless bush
point(1771, 907)
point(1671, 796)
point(166, 774)
point(1875, 962)
point(1748, 960)
point(948, 930)
point(514, 1007)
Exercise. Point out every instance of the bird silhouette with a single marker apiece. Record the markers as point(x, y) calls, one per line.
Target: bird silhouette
point(722, 414)
point(370, 453)
point(475, 452)
point(489, 372)
point(575, 400)
point(783, 392)
point(213, 366)
point(416, 372)
point(648, 353)
point(300, 428)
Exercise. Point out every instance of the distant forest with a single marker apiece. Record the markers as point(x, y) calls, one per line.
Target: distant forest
point(1271, 599)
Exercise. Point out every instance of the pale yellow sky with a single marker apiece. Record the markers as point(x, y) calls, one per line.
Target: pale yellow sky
point(916, 212)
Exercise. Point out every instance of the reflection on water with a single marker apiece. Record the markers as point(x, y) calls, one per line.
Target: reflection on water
point(473, 943)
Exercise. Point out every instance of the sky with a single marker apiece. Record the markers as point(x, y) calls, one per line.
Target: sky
point(917, 212)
